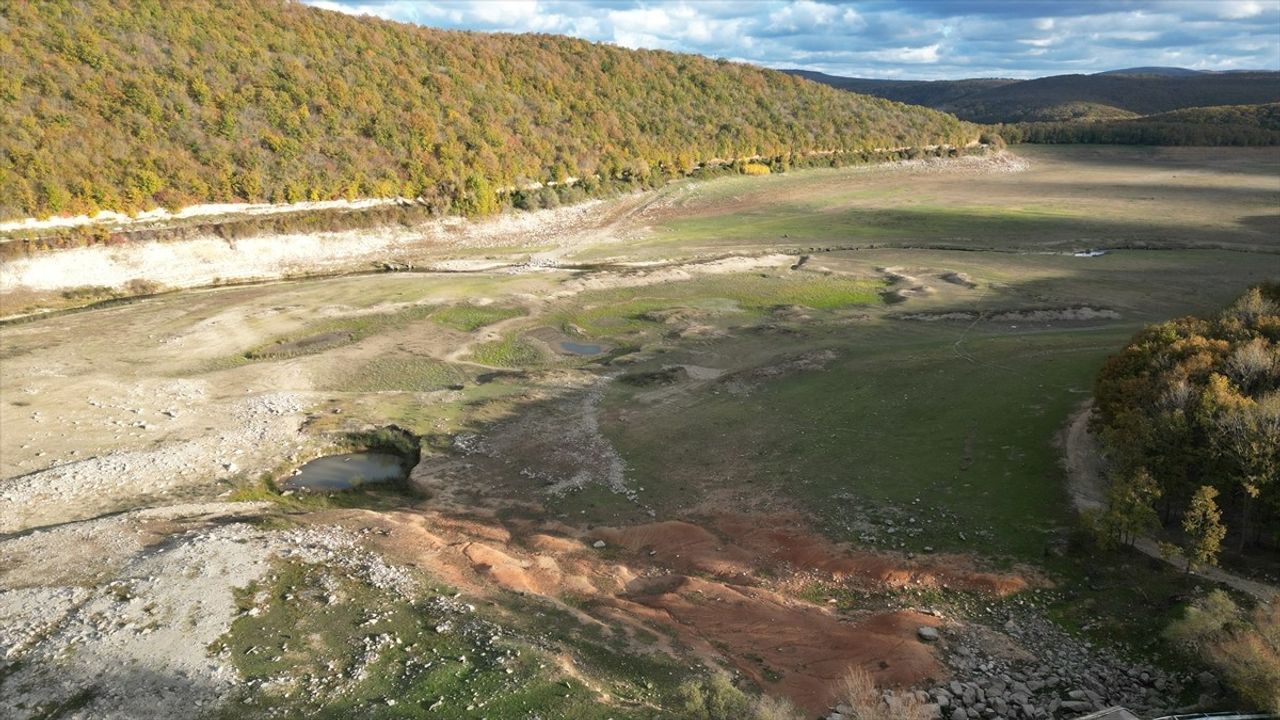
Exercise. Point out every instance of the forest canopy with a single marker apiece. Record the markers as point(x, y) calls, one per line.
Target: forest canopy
point(1189, 414)
point(128, 105)
point(1240, 125)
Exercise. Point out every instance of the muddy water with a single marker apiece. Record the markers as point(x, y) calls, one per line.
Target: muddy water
point(343, 472)
point(574, 348)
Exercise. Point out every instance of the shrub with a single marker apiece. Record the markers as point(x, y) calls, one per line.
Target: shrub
point(142, 286)
point(1244, 649)
point(717, 699)
point(87, 293)
point(859, 692)
point(755, 168)
point(1203, 619)
point(1249, 656)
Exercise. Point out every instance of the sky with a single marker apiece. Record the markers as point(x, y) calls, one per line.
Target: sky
point(916, 39)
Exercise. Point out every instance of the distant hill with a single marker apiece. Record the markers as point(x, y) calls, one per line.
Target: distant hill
point(1265, 116)
point(914, 92)
point(1135, 91)
point(1223, 125)
point(121, 105)
point(1154, 70)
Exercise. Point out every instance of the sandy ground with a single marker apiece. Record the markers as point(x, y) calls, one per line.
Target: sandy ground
point(211, 260)
point(115, 219)
point(255, 429)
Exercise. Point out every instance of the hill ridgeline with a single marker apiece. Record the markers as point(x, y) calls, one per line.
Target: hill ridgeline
point(1104, 96)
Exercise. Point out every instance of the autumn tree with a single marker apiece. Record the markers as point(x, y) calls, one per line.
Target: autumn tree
point(1202, 522)
point(1130, 512)
point(1196, 402)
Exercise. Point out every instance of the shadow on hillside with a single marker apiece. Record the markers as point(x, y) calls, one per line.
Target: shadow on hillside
point(1153, 191)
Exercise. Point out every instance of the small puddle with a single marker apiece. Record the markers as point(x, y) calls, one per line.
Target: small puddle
point(574, 348)
point(343, 472)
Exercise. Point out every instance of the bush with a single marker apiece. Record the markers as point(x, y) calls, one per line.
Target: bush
point(859, 692)
point(1249, 656)
point(1203, 619)
point(142, 286)
point(1244, 649)
point(717, 699)
point(89, 293)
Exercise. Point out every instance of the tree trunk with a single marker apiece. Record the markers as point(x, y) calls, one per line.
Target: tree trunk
point(1244, 519)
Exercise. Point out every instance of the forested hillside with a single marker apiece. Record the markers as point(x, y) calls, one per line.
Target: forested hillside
point(125, 105)
point(930, 93)
point(1213, 126)
point(1069, 97)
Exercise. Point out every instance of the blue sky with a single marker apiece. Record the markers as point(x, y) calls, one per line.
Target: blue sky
point(920, 39)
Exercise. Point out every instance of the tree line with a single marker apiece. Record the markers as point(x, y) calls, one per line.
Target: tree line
point(1244, 125)
point(486, 199)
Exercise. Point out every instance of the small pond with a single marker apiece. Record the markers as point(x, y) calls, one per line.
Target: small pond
point(574, 348)
point(343, 472)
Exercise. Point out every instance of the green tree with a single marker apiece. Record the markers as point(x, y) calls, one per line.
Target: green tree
point(478, 197)
point(1130, 511)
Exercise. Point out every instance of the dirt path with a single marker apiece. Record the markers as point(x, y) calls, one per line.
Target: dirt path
point(1087, 488)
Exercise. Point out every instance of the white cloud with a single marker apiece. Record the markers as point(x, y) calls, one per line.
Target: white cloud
point(1239, 9)
point(916, 55)
point(926, 39)
point(807, 15)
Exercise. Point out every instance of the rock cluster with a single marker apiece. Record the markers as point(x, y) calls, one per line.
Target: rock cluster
point(1032, 669)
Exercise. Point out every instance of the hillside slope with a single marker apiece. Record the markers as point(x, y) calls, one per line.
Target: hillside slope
point(1066, 97)
point(929, 93)
point(1212, 126)
point(125, 105)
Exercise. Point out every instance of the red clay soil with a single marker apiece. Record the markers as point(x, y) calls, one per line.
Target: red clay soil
point(704, 582)
point(744, 545)
point(791, 648)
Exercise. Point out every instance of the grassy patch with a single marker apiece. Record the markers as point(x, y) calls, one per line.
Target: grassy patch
point(469, 318)
point(634, 675)
point(628, 311)
point(319, 643)
point(329, 334)
point(1102, 587)
point(903, 440)
point(399, 372)
point(511, 351)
